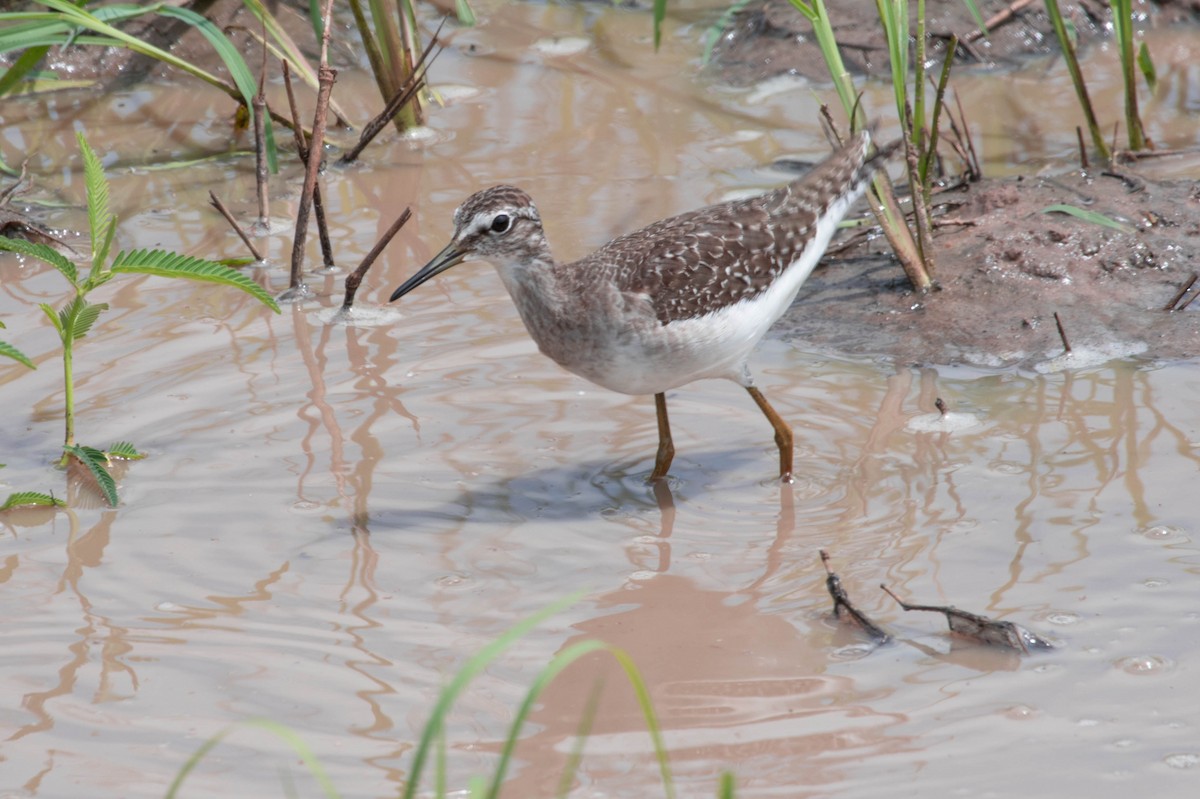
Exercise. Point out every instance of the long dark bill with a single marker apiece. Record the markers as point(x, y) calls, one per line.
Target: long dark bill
point(445, 259)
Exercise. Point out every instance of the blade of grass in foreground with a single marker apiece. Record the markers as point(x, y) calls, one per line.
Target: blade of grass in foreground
point(468, 672)
point(547, 676)
point(280, 731)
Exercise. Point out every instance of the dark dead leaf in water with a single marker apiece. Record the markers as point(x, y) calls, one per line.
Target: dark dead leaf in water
point(842, 607)
point(982, 629)
point(15, 224)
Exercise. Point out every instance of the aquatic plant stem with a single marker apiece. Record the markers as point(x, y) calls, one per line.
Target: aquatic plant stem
point(1122, 20)
point(1069, 55)
point(68, 401)
point(881, 197)
point(354, 280)
point(325, 79)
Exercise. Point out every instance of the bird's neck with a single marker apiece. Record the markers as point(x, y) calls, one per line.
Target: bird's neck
point(534, 284)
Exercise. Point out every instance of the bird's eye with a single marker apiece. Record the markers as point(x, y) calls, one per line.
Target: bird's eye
point(501, 223)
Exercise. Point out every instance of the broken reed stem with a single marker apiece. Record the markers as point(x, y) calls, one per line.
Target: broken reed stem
point(325, 78)
point(974, 167)
point(1062, 332)
point(940, 404)
point(907, 606)
point(917, 194)
point(414, 84)
point(1190, 300)
point(998, 19)
point(1083, 159)
point(1170, 306)
point(356, 277)
point(939, 100)
point(260, 138)
point(220, 206)
point(303, 152)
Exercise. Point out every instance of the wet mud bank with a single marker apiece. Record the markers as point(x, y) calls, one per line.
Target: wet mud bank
point(1005, 267)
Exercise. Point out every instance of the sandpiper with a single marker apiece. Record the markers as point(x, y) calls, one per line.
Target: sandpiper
point(683, 299)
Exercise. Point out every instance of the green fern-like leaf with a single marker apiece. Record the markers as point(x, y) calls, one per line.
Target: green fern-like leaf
point(99, 216)
point(124, 451)
point(9, 351)
point(43, 253)
point(85, 316)
point(27, 498)
point(171, 264)
point(96, 463)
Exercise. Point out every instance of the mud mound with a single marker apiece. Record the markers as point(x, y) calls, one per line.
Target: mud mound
point(1005, 267)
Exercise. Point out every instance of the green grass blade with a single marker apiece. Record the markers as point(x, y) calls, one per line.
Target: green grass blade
point(285, 734)
point(43, 253)
point(238, 70)
point(82, 18)
point(643, 697)
point(727, 787)
point(660, 14)
point(975, 15)
point(97, 464)
point(9, 351)
point(575, 756)
point(123, 450)
point(547, 675)
point(25, 63)
point(1087, 216)
point(544, 677)
point(23, 499)
point(464, 12)
point(713, 34)
point(1146, 64)
point(471, 669)
point(170, 264)
point(1066, 43)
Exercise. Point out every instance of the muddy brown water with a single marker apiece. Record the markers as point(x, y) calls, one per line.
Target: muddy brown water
point(333, 519)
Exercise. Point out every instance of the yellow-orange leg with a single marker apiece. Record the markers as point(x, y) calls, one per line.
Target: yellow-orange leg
point(783, 433)
point(666, 447)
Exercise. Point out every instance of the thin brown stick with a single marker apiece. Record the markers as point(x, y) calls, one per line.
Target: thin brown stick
point(220, 206)
point(1170, 306)
point(998, 19)
point(356, 277)
point(1083, 159)
point(302, 151)
point(1190, 300)
point(325, 79)
point(975, 168)
point(260, 138)
point(1062, 332)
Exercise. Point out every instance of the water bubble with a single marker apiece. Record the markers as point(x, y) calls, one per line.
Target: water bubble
point(851, 652)
point(1155, 582)
point(1143, 665)
point(1021, 712)
point(1062, 617)
point(1183, 760)
point(1161, 532)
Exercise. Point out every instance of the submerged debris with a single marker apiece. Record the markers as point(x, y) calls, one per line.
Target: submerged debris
point(843, 608)
point(981, 628)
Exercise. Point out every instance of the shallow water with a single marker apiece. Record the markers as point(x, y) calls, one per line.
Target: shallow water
point(333, 518)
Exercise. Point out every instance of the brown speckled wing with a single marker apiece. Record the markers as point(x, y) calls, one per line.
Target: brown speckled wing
point(704, 260)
